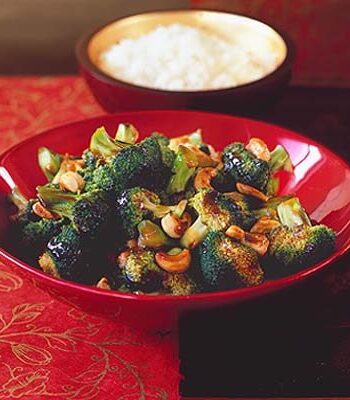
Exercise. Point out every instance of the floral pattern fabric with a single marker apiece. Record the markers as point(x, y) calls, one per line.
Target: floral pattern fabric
point(49, 349)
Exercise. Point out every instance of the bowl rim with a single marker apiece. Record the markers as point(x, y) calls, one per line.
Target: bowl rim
point(85, 62)
point(254, 291)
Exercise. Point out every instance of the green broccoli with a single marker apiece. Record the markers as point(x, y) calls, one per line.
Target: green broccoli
point(68, 255)
point(216, 212)
point(297, 244)
point(89, 212)
point(147, 164)
point(25, 213)
point(219, 210)
point(182, 173)
point(127, 133)
point(135, 205)
point(140, 270)
point(63, 255)
point(103, 146)
point(90, 160)
point(49, 162)
point(152, 235)
point(194, 139)
point(226, 264)
point(35, 235)
point(241, 165)
point(269, 208)
point(102, 179)
point(179, 284)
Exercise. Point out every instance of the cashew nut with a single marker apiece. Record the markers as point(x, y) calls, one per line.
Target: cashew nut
point(259, 148)
point(175, 226)
point(132, 243)
point(235, 232)
point(264, 225)
point(41, 211)
point(204, 177)
point(122, 258)
point(71, 181)
point(174, 263)
point(73, 165)
point(257, 241)
point(251, 191)
point(103, 283)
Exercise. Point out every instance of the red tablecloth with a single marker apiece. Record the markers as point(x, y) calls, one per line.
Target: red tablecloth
point(49, 349)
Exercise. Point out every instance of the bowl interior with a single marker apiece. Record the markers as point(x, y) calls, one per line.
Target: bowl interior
point(320, 178)
point(251, 34)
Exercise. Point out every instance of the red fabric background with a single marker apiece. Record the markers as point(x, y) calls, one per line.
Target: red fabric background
point(49, 349)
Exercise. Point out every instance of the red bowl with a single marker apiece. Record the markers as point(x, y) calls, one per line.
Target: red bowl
point(116, 95)
point(321, 180)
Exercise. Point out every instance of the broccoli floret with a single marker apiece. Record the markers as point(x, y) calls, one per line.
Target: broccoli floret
point(35, 235)
point(89, 212)
point(137, 204)
point(218, 211)
point(240, 165)
point(69, 256)
point(25, 213)
point(146, 164)
point(103, 179)
point(133, 206)
point(297, 244)
point(182, 173)
point(90, 160)
point(62, 258)
point(140, 270)
point(226, 264)
point(180, 284)
point(103, 146)
point(49, 162)
point(243, 165)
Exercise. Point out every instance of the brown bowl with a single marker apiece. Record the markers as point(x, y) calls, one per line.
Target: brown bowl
point(115, 95)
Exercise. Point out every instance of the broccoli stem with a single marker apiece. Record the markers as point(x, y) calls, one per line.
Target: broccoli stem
point(18, 199)
point(272, 186)
point(56, 200)
point(269, 209)
point(158, 210)
point(280, 160)
point(292, 214)
point(151, 235)
point(102, 145)
point(182, 174)
point(195, 234)
point(49, 162)
point(127, 133)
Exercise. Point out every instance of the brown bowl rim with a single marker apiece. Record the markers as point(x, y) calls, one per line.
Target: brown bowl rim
point(84, 60)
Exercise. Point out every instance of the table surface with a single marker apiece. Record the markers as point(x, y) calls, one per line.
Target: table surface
point(295, 343)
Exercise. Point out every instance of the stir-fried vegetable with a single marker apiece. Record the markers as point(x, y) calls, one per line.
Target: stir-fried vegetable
point(167, 216)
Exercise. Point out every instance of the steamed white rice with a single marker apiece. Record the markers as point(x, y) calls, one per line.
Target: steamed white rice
point(180, 57)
